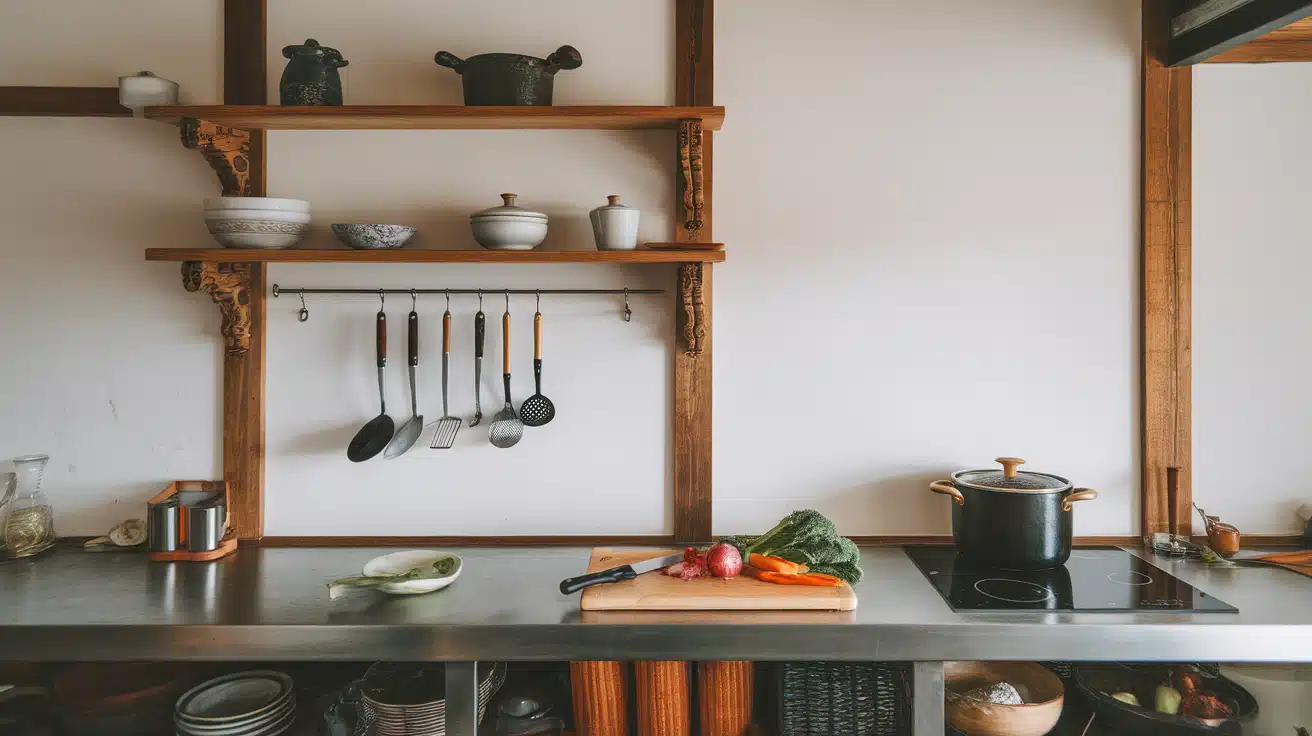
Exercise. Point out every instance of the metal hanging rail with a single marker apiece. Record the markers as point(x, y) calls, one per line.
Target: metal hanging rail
point(278, 290)
point(304, 314)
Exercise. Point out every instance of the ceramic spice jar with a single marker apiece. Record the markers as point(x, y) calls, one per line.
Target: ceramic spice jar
point(311, 77)
point(615, 226)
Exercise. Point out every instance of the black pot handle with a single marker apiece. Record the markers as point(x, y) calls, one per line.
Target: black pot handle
point(1079, 494)
point(947, 489)
point(450, 61)
point(565, 57)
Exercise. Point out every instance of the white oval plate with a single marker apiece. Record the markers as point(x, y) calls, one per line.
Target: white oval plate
point(399, 562)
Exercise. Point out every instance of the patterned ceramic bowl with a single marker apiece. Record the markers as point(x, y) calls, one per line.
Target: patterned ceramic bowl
point(262, 229)
point(373, 237)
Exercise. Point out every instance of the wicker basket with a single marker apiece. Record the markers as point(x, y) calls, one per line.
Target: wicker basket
point(844, 699)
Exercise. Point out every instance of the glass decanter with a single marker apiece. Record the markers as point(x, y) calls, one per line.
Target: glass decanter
point(31, 525)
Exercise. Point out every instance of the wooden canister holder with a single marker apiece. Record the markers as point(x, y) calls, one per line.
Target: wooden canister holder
point(662, 698)
point(601, 698)
point(725, 691)
point(227, 545)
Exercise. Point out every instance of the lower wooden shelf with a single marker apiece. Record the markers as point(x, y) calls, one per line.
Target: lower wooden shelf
point(413, 255)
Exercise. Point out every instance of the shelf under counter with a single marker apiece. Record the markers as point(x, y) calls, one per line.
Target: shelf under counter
point(266, 603)
point(420, 255)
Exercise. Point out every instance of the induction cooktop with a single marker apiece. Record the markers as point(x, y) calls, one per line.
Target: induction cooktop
point(1094, 580)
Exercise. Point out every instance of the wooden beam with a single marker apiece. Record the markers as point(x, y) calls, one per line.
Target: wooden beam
point(1242, 23)
point(244, 59)
point(694, 85)
point(1291, 43)
point(1167, 126)
point(96, 102)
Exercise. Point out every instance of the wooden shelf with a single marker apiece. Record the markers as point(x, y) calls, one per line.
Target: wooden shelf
point(419, 255)
point(441, 117)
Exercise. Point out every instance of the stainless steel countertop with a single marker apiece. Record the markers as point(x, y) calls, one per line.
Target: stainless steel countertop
point(272, 604)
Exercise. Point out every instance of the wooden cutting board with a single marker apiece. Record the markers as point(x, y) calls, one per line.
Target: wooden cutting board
point(656, 592)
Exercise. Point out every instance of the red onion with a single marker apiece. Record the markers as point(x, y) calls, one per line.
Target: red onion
point(724, 561)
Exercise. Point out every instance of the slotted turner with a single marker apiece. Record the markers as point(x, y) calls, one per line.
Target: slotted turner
point(537, 409)
point(444, 436)
point(506, 429)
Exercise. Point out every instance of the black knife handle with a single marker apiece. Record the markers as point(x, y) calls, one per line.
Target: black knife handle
point(613, 575)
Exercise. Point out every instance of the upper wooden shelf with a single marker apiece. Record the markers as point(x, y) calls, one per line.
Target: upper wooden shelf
point(419, 255)
point(441, 117)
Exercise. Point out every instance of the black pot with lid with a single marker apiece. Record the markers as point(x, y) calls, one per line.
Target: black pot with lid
point(1012, 519)
point(510, 79)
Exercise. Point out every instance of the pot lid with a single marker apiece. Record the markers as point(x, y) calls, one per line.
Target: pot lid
point(613, 203)
point(1009, 479)
point(508, 210)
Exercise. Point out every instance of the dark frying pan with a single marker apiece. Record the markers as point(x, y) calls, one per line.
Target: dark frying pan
point(1096, 681)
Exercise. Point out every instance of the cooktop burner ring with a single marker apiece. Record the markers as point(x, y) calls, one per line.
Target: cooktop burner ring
point(1147, 579)
point(1047, 592)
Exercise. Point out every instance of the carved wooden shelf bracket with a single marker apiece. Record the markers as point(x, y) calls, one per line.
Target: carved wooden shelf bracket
point(226, 150)
point(230, 286)
point(691, 298)
point(690, 168)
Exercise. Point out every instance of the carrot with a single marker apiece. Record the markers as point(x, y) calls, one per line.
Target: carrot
point(775, 564)
point(811, 578)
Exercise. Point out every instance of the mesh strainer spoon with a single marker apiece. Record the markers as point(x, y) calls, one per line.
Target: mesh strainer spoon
point(506, 429)
point(537, 409)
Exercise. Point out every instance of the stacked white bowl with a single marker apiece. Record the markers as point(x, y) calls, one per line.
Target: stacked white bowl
point(256, 703)
point(257, 222)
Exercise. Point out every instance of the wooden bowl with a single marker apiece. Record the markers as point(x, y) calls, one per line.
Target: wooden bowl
point(1041, 690)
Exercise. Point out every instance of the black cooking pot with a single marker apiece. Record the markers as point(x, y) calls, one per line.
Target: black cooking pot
point(509, 79)
point(1003, 518)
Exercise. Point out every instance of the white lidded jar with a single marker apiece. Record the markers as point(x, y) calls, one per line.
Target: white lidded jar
point(615, 226)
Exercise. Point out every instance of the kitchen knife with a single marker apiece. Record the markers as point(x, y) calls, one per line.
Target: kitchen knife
point(616, 574)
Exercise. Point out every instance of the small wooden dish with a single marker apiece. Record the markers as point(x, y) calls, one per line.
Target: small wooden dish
point(227, 545)
point(1041, 689)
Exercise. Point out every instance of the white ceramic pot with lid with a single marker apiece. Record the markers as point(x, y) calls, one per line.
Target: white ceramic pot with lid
point(615, 226)
point(509, 227)
point(144, 89)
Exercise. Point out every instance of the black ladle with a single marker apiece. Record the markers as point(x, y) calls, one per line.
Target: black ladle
point(374, 436)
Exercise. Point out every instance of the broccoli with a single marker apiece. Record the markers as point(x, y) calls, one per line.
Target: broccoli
point(807, 537)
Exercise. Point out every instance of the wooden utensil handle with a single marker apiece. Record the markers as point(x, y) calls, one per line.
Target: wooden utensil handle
point(446, 332)
point(505, 342)
point(412, 338)
point(380, 339)
point(537, 336)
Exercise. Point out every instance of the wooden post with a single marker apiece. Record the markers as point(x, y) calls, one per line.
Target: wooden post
point(662, 698)
point(695, 85)
point(244, 60)
point(1167, 123)
point(725, 693)
point(601, 698)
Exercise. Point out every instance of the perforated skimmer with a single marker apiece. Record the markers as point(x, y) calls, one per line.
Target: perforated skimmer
point(506, 429)
point(537, 409)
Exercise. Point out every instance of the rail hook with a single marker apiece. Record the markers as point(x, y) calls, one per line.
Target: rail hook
point(537, 294)
point(304, 314)
point(414, 299)
point(628, 313)
point(507, 301)
point(480, 300)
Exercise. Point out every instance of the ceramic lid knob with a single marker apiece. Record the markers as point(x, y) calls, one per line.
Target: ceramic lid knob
point(613, 199)
point(509, 198)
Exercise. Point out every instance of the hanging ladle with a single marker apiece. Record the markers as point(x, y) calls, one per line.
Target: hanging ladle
point(374, 436)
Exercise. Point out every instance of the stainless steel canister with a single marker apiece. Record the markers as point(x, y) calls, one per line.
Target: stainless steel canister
point(204, 527)
point(163, 526)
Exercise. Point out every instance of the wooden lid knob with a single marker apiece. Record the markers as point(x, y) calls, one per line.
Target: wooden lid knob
point(1009, 465)
point(613, 198)
point(509, 198)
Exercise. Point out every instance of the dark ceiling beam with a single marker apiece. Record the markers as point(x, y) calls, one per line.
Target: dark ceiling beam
point(1232, 23)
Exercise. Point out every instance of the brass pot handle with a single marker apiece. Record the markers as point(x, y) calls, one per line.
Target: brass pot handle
point(947, 489)
point(1080, 494)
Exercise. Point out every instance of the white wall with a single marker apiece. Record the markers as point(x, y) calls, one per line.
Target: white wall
point(924, 271)
point(1252, 409)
